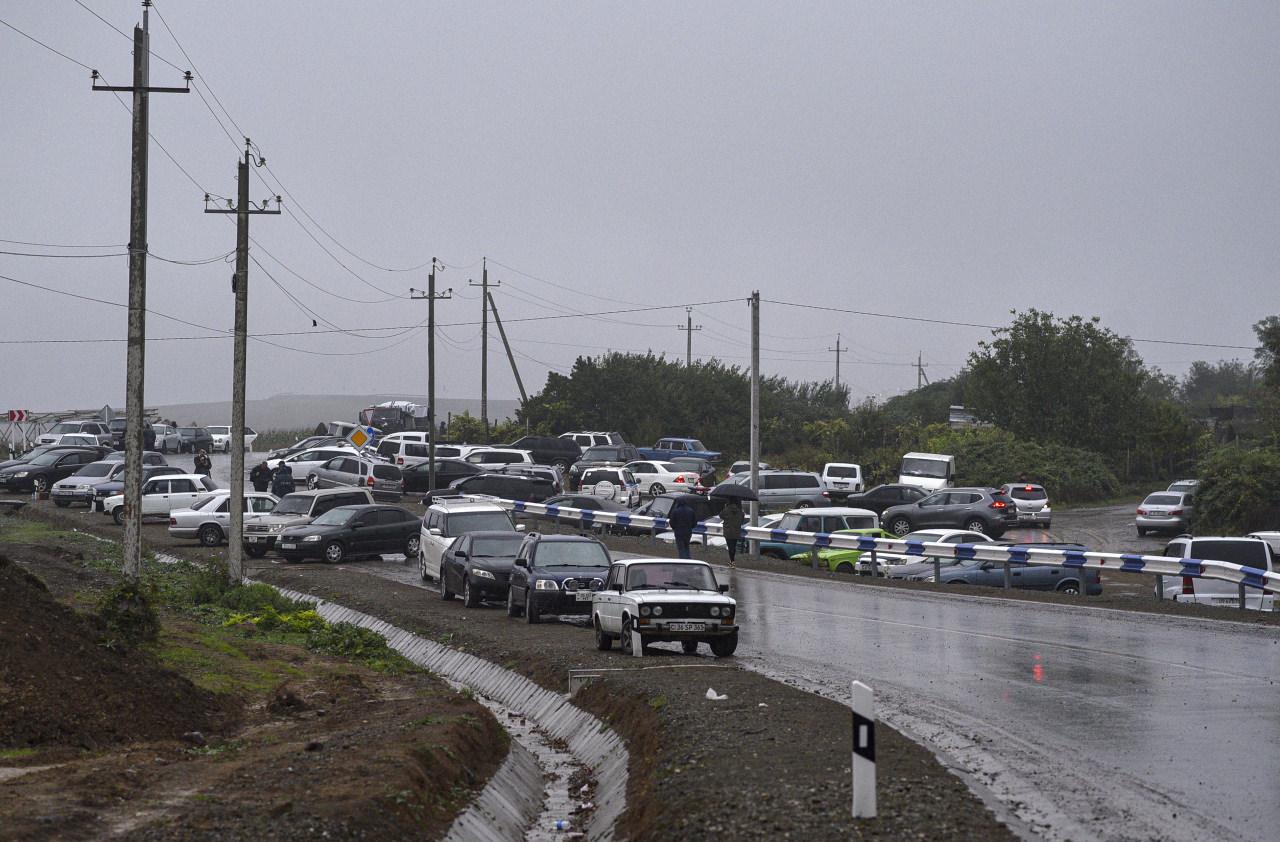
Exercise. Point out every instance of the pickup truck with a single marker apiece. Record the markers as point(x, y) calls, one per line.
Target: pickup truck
point(670, 448)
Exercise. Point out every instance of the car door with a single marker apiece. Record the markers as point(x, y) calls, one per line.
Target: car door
point(453, 562)
point(434, 543)
point(155, 496)
point(931, 511)
point(609, 600)
point(366, 533)
point(182, 493)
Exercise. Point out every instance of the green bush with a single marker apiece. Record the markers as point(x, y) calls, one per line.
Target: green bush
point(207, 584)
point(347, 640)
point(255, 598)
point(1239, 491)
point(128, 612)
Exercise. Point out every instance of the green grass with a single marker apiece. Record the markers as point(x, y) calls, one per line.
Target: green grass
point(16, 753)
point(215, 660)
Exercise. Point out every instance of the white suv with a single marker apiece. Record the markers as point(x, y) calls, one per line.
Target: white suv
point(1250, 552)
point(446, 520)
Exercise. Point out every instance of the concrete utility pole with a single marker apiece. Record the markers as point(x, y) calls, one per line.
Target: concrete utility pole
point(920, 367)
point(754, 545)
point(688, 328)
point(838, 351)
point(484, 346)
point(135, 366)
point(431, 297)
point(239, 356)
point(505, 344)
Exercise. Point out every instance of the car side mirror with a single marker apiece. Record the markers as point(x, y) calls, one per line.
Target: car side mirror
point(723, 589)
point(519, 527)
point(435, 530)
point(521, 563)
point(462, 554)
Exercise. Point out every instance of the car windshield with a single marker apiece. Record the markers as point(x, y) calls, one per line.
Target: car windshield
point(187, 432)
point(333, 517)
point(697, 445)
point(47, 458)
point(926, 537)
point(1027, 492)
point(496, 547)
point(97, 469)
point(220, 431)
point(1184, 486)
point(571, 554)
point(841, 471)
point(64, 427)
point(463, 522)
point(932, 468)
point(670, 575)
point(294, 504)
point(1162, 500)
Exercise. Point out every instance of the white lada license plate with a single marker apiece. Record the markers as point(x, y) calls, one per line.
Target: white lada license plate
point(582, 596)
point(687, 626)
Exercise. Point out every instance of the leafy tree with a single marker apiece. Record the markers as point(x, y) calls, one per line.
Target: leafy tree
point(1268, 353)
point(1239, 491)
point(930, 404)
point(1216, 384)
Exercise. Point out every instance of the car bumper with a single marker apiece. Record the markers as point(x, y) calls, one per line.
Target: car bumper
point(301, 549)
point(268, 541)
point(1169, 524)
point(496, 589)
point(184, 532)
point(659, 630)
point(562, 602)
point(72, 496)
point(386, 496)
point(1035, 518)
point(12, 485)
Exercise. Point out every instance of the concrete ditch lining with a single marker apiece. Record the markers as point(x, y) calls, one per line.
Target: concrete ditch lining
point(507, 805)
point(592, 743)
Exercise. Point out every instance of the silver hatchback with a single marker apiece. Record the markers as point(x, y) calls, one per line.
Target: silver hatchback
point(1164, 511)
point(381, 479)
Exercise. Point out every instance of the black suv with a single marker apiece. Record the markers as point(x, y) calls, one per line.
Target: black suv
point(417, 478)
point(548, 450)
point(192, 439)
point(877, 499)
point(117, 426)
point(984, 510)
point(602, 456)
point(556, 574)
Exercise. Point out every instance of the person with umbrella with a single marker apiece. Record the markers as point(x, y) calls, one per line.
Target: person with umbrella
point(731, 517)
point(682, 519)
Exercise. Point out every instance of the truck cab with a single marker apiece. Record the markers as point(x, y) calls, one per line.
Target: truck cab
point(929, 471)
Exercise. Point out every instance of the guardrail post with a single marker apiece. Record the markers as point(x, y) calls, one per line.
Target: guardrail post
point(653, 533)
point(1242, 600)
point(864, 752)
point(1159, 587)
point(1008, 575)
point(813, 558)
point(937, 569)
point(875, 564)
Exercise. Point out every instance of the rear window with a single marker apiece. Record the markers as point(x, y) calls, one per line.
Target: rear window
point(805, 481)
point(463, 522)
point(1251, 552)
point(386, 472)
point(606, 454)
point(1027, 492)
point(389, 448)
point(842, 471)
point(1164, 500)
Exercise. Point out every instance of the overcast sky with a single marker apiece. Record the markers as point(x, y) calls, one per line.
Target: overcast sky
point(944, 160)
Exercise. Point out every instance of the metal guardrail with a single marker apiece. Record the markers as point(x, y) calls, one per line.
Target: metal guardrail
point(1009, 555)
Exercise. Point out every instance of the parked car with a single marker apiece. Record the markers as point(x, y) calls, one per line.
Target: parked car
point(296, 509)
point(1186, 486)
point(816, 519)
point(899, 566)
point(601, 456)
point(556, 574)
point(1272, 538)
point(89, 427)
point(665, 449)
point(40, 473)
point(167, 438)
point(446, 520)
point(307, 443)
point(504, 486)
point(496, 456)
point(611, 484)
point(664, 599)
point(1164, 511)
point(839, 560)
point(549, 450)
point(877, 499)
point(149, 457)
point(347, 532)
point(551, 473)
point(1032, 501)
point(743, 466)
point(1250, 552)
point(478, 566)
point(417, 477)
point(405, 451)
point(590, 438)
point(1034, 577)
point(705, 470)
point(843, 476)
point(587, 502)
point(656, 477)
point(113, 485)
point(222, 438)
point(163, 494)
point(661, 505)
point(780, 489)
point(76, 440)
point(117, 426)
point(45, 448)
point(983, 510)
point(208, 519)
point(382, 480)
point(193, 439)
point(78, 488)
point(303, 461)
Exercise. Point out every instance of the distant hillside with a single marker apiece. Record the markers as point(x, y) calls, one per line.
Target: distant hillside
point(300, 412)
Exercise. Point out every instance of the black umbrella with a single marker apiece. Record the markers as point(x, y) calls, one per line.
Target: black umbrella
point(733, 491)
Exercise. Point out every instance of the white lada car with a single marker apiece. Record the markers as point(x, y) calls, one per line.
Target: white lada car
point(659, 599)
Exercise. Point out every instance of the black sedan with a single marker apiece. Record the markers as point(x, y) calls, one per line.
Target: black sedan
point(478, 566)
point(44, 470)
point(556, 574)
point(417, 478)
point(193, 439)
point(348, 532)
point(876, 499)
point(45, 448)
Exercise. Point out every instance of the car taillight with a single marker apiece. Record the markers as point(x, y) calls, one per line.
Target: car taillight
point(173, 521)
point(826, 494)
point(399, 460)
point(1027, 488)
point(370, 482)
point(1142, 511)
point(1176, 512)
point(680, 479)
point(999, 504)
point(1188, 587)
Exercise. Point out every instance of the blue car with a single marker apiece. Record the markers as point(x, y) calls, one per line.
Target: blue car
point(1064, 578)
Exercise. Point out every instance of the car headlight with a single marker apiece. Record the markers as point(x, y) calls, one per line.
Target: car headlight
point(657, 610)
point(715, 611)
point(546, 585)
point(483, 574)
point(726, 612)
point(312, 538)
point(277, 527)
point(20, 474)
point(645, 611)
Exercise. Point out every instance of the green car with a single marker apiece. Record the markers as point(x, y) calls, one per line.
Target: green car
point(841, 560)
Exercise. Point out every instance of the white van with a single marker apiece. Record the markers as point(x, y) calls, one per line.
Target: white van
point(1250, 552)
point(845, 476)
point(929, 471)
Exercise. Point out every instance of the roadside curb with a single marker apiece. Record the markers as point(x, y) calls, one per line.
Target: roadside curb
point(593, 743)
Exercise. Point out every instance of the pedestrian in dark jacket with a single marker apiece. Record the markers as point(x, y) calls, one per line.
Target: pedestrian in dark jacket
point(204, 465)
point(731, 523)
point(682, 520)
point(260, 476)
point(282, 480)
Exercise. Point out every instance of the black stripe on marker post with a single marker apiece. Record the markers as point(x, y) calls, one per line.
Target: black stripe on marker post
point(864, 737)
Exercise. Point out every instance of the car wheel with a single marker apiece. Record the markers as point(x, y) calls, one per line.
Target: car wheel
point(1071, 587)
point(845, 567)
point(118, 515)
point(443, 583)
point(689, 647)
point(61, 504)
point(513, 610)
point(333, 552)
point(804, 504)
point(899, 526)
point(210, 535)
point(723, 647)
point(40, 484)
point(656, 489)
point(312, 481)
point(412, 545)
point(422, 564)
point(627, 647)
point(470, 596)
point(975, 525)
point(531, 615)
point(255, 550)
point(603, 641)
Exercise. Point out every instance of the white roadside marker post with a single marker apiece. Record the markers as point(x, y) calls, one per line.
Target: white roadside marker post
point(864, 752)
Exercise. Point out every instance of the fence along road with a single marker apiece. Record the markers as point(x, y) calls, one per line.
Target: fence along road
point(1086, 723)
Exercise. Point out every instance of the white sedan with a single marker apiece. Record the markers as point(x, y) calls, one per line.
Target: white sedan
point(648, 600)
point(657, 477)
point(222, 438)
point(209, 518)
point(302, 463)
point(163, 494)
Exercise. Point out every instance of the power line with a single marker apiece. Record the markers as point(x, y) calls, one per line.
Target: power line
point(124, 34)
point(64, 256)
point(66, 245)
point(46, 46)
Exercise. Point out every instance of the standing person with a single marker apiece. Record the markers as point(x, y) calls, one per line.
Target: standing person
point(682, 520)
point(204, 465)
point(731, 518)
point(260, 476)
point(282, 480)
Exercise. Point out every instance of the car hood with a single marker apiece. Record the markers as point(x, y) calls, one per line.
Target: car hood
point(23, 467)
point(299, 530)
point(286, 520)
point(495, 564)
point(678, 595)
point(561, 573)
point(11, 463)
point(919, 567)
